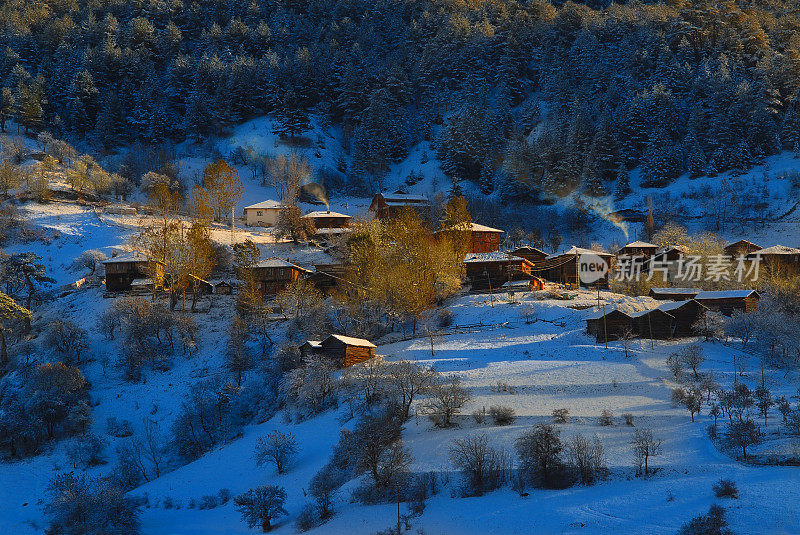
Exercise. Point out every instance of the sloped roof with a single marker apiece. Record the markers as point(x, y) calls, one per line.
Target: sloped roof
point(640, 313)
point(599, 313)
point(349, 340)
point(746, 242)
point(269, 203)
point(725, 294)
point(495, 256)
point(275, 262)
point(131, 256)
point(474, 227)
point(641, 245)
point(325, 213)
point(675, 305)
point(403, 197)
point(316, 344)
point(675, 291)
point(529, 248)
point(775, 250)
point(575, 251)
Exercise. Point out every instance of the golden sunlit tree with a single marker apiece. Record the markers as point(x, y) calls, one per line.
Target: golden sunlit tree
point(224, 187)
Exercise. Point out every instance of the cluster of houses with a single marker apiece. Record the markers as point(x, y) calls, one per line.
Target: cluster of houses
point(676, 318)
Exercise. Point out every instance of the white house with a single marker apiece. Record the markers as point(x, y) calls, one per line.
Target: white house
point(263, 214)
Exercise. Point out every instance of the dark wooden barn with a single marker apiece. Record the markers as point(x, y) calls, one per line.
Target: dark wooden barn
point(727, 301)
point(386, 205)
point(122, 270)
point(223, 288)
point(563, 268)
point(638, 249)
point(741, 247)
point(654, 323)
point(275, 274)
point(201, 286)
point(531, 254)
point(311, 348)
point(611, 325)
point(673, 294)
point(489, 271)
point(777, 260)
point(346, 351)
point(483, 239)
point(686, 313)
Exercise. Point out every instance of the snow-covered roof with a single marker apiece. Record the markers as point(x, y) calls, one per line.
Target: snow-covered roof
point(324, 213)
point(517, 284)
point(675, 291)
point(341, 230)
point(775, 250)
point(141, 282)
point(674, 305)
point(275, 262)
point(641, 245)
point(575, 251)
point(495, 256)
point(131, 256)
point(741, 241)
point(679, 248)
point(529, 248)
point(263, 205)
point(725, 294)
point(599, 313)
point(349, 340)
point(640, 313)
point(403, 197)
point(474, 227)
point(316, 344)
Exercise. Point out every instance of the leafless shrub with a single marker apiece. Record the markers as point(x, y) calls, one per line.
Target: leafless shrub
point(561, 416)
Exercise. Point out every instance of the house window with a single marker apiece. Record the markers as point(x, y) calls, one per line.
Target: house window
point(259, 213)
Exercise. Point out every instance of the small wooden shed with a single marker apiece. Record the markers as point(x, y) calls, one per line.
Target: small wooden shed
point(203, 287)
point(741, 247)
point(275, 274)
point(611, 325)
point(563, 267)
point(654, 323)
point(727, 301)
point(311, 348)
point(673, 294)
point(346, 350)
point(489, 271)
point(531, 254)
point(223, 288)
point(686, 314)
point(122, 270)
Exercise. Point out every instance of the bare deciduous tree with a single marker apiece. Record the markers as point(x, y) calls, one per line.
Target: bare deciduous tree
point(276, 448)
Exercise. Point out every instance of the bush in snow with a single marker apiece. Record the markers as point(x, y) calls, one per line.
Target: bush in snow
point(90, 260)
point(628, 417)
point(276, 448)
point(587, 459)
point(259, 506)
point(726, 488)
point(447, 396)
point(208, 502)
point(561, 416)
point(691, 398)
point(224, 496)
point(312, 387)
point(80, 506)
point(67, 341)
point(540, 454)
point(307, 518)
point(713, 523)
point(479, 415)
point(323, 487)
point(118, 428)
point(606, 418)
point(645, 446)
point(483, 467)
point(502, 415)
point(87, 450)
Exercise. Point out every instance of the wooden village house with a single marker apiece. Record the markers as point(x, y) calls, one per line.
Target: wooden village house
point(489, 271)
point(275, 274)
point(686, 314)
point(327, 277)
point(777, 260)
point(345, 351)
point(638, 249)
point(741, 248)
point(563, 268)
point(612, 324)
point(654, 323)
point(121, 271)
point(311, 348)
point(531, 254)
point(483, 239)
point(728, 301)
point(328, 223)
point(223, 288)
point(263, 214)
point(387, 205)
point(673, 294)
